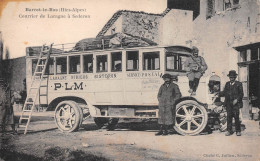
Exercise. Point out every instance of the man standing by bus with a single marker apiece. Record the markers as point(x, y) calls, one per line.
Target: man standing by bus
point(168, 93)
point(6, 106)
point(196, 66)
point(233, 93)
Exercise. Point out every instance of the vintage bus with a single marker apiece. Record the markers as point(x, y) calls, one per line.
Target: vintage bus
point(112, 83)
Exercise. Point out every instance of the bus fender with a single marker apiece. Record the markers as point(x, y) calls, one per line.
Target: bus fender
point(190, 98)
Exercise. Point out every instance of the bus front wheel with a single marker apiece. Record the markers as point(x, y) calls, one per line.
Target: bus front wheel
point(191, 118)
point(68, 116)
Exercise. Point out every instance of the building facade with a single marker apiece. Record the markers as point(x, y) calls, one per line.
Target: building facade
point(226, 32)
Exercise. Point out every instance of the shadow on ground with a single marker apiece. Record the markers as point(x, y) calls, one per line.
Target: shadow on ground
point(53, 154)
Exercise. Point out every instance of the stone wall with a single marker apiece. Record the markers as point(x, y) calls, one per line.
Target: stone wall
point(141, 25)
point(176, 27)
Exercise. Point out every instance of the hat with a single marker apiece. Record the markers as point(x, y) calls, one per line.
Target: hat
point(232, 73)
point(167, 76)
point(195, 49)
point(173, 77)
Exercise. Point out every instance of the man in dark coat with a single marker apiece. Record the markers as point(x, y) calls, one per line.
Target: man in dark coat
point(233, 93)
point(6, 107)
point(168, 93)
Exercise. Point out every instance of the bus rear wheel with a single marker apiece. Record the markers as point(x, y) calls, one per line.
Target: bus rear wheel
point(111, 122)
point(191, 118)
point(68, 116)
point(100, 121)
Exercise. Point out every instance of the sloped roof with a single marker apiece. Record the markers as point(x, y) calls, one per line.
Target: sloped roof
point(113, 19)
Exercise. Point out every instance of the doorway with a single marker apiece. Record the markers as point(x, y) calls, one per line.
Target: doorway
point(254, 83)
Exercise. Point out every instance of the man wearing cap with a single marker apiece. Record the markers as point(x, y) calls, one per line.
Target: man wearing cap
point(195, 67)
point(233, 93)
point(168, 93)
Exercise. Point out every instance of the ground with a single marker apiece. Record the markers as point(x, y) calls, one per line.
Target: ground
point(129, 141)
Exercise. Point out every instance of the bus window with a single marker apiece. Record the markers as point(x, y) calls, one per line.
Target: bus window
point(34, 63)
point(175, 62)
point(50, 68)
point(61, 65)
point(116, 59)
point(74, 64)
point(132, 59)
point(88, 63)
point(101, 63)
point(151, 61)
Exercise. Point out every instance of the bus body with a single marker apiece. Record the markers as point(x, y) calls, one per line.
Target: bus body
point(113, 83)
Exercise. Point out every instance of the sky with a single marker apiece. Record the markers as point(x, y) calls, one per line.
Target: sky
point(22, 25)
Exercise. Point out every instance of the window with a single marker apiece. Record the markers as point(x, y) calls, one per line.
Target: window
point(132, 59)
point(227, 4)
point(61, 65)
point(88, 63)
point(235, 2)
point(210, 8)
point(249, 54)
point(254, 54)
point(101, 63)
point(175, 62)
point(74, 64)
point(50, 67)
point(116, 59)
point(151, 61)
point(230, 4)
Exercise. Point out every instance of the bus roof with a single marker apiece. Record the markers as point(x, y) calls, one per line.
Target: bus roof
point(35, 51)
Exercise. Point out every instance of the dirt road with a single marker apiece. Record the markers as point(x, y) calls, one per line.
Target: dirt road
point(129, 141)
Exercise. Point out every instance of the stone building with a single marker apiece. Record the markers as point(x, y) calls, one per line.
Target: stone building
point(227, 33)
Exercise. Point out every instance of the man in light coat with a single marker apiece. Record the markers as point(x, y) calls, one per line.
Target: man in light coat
point(168, 93)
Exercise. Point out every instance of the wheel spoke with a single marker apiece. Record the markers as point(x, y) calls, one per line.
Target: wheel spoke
point(70, 123)
point(189, 125)
point(66, 107)
point(60, 117)
point(72, 113)
point(185, 110)
point(62, 109)
point(182, 116)
point(182, 123)
point(193, 109)
point(197, 116)
point(195, 123)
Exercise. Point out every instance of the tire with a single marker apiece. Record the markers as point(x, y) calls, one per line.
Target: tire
point(100, 121)
point(81, 117)
point(68, 116)
point(191, 118)
point(112, 122)
point(223, 121)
